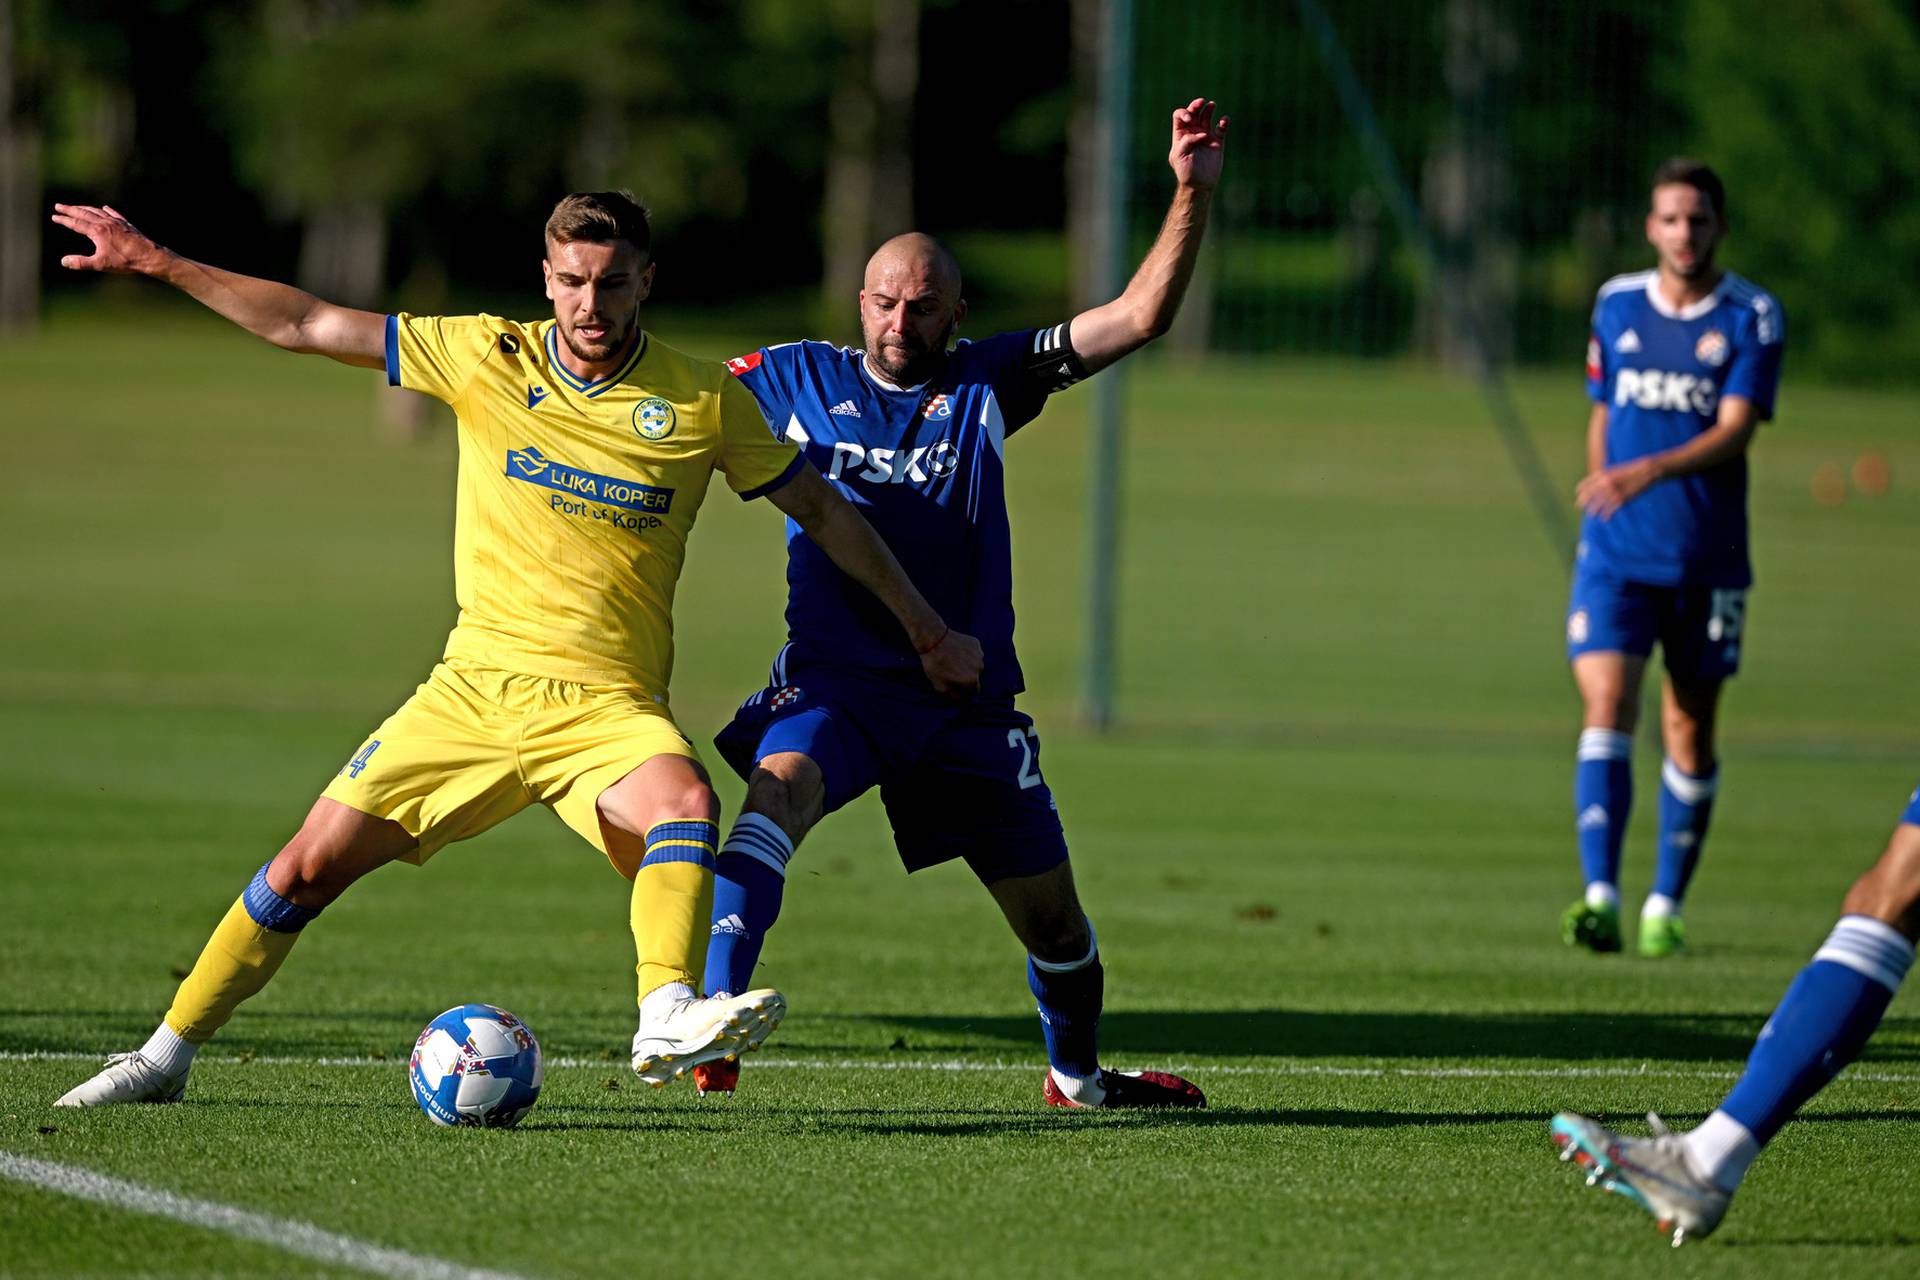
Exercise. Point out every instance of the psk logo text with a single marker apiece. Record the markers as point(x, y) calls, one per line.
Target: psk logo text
point(893, 466)
point(1658, 389)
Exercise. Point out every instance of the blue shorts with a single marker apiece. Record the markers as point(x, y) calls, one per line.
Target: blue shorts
point(1698, 627)
point(1912, 815)
point(959, 780)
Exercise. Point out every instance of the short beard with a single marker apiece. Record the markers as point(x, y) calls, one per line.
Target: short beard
point(923, 361)
point(609, 345)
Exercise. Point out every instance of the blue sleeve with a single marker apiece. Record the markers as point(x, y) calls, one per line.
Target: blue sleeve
point(760, 372)
point(1754, 371)
point(1598, 374)
point(1004, 367)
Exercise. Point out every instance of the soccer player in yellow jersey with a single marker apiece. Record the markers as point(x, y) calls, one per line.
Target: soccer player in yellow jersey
point(586, 445)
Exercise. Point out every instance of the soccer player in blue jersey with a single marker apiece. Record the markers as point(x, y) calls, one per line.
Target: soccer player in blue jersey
point(914, 431)
point(1681, 367)
point(585, 450)
point(1821, 1024)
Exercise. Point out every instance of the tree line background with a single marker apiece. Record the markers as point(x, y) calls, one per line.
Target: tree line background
point(393, 153)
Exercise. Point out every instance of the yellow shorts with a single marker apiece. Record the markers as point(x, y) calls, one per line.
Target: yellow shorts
point(474, 745)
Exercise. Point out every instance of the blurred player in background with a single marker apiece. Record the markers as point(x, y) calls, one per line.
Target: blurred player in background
point(586, 446)
point(913, 430)
point(1681, 367)
point(1821, 1024)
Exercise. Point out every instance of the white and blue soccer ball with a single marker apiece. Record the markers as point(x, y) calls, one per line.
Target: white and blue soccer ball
point(476, 1065)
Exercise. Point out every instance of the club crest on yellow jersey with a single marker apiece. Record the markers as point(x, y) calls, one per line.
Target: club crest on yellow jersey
point(653, 418)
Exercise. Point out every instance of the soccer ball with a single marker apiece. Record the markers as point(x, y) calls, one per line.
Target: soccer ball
point(476, 1065)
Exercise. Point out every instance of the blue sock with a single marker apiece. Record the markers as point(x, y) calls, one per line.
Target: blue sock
point(1071, 996)
point(1822, 1023)
point(1602, 798)
point(1686, 805)
point(749, 879)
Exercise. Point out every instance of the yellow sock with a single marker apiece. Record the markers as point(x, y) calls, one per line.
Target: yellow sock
point(673, 902)
point(244, 952)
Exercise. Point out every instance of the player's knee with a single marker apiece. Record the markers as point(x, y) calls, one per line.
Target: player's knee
point(334, 847)
point(313, 869)
point(1890, 890)
point(1610, 711)
point(1054, 928)
point(1689, 740)
point(1060, 940)
point(693, 801)
point(789, 790)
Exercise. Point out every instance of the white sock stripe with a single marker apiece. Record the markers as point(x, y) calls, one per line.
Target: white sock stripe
point(1605, 744)
point(1874, 932)
point(1093, 950)
point(1687, 788)
point(759, 837)
point(1869, 947)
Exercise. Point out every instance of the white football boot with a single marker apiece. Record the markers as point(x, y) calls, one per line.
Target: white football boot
point(127, 1077)
point(1651, 1172)
point(688, 1032)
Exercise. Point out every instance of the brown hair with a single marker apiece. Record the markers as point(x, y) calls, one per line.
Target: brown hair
point(600, 217)
point(1692, 173)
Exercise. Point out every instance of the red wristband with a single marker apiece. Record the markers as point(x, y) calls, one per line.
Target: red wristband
point(945, 631)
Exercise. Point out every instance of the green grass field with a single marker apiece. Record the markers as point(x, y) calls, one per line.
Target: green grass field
point(1325, 851)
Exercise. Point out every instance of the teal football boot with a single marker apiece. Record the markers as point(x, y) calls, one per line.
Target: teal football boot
point(1651, 1172)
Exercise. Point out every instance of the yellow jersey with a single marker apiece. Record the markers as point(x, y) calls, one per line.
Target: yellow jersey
point(575, 497)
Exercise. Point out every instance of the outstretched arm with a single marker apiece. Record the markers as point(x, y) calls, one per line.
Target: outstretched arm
point(951, 660)
point(283, 315)
point(1147, 307)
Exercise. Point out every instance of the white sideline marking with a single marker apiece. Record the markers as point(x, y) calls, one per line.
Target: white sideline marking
point(912, 1064)
point(286, 1234)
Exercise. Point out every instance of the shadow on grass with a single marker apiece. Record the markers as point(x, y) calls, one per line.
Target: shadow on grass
point(1570, 1036)
point(1891, 1240)
point(1127, 1036)
point(986, 1122)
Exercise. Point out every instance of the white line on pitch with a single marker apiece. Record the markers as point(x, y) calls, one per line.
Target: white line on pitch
point(286, 1234)
point(913, 1064)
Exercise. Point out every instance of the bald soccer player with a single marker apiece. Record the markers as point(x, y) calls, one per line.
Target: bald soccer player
point(913, 431)
point(586, 448)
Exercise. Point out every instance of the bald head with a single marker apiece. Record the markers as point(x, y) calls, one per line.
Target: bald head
point(910, 306)
point(915, 258)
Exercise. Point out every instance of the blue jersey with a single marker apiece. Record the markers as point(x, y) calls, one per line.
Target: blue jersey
point(1662, 372)
point(925, 466)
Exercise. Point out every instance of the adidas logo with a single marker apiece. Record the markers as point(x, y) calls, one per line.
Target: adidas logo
point(846, 409)
point(1590, 817)
point(1627, 343)
point(731, 924)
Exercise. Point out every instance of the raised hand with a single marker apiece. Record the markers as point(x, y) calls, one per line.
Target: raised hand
point(1199, 143)
point(118, 245)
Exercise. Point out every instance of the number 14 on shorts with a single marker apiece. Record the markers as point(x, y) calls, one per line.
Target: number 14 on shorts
point(352, 768)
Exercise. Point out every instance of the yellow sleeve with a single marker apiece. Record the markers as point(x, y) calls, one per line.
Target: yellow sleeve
point(437, 354)
point(756, 464)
